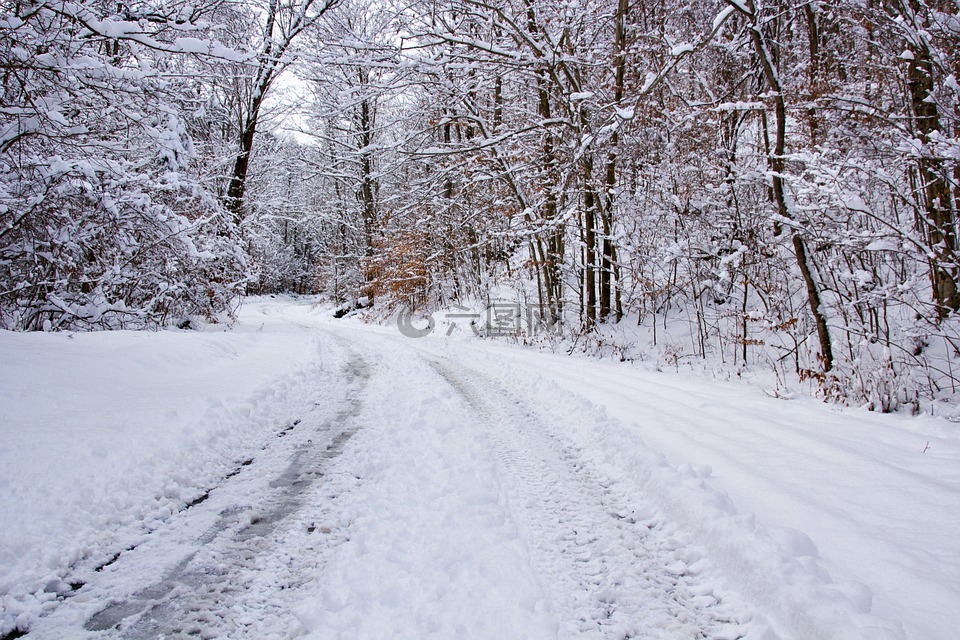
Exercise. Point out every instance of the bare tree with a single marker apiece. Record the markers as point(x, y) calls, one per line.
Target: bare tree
point(283, 23)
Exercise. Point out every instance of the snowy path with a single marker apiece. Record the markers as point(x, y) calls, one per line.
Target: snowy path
point(213, 569)
point(382, 487)
point(493, 528)
point(878, 495)
point(204, 593)
point(610, 571)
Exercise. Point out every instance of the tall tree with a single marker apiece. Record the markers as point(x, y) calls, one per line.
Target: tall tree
point(283, 23)
point(104, 222)
point(767, 59)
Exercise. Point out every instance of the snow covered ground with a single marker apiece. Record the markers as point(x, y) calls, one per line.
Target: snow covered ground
point(302, 476)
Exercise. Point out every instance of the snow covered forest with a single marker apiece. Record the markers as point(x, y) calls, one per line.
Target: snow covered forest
point(780, 178)
point(222, 222)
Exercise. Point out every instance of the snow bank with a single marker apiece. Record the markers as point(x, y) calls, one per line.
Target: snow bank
point(103, 435)
point(834, 518)
point(831, 523)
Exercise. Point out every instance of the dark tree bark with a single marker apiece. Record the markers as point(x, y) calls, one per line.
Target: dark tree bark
point(938, 219)
point(777, 167)
point(278, 35)
point(609, 270)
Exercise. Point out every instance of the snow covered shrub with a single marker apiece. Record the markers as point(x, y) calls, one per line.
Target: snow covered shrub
point(875, 380)
point(101, 223)
point(398, 272)
point(99, 249)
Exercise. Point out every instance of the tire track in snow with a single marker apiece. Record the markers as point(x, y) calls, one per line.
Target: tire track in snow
point(612, 570)
point(209, 583)
point(198, 597)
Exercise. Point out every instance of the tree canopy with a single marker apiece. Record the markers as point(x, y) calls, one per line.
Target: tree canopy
point(781, 176)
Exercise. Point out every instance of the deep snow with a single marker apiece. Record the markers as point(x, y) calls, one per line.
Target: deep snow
point(369, 485)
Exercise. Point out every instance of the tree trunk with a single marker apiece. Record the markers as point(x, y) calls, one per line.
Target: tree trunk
point(367, 192)
point(939, 218)
point(609, 280)
point(238, 177)
point(552, 256)
point(590, 241)
point(777, 166)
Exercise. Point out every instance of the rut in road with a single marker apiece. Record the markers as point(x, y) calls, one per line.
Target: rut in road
point(197, 597)
point(611, 571)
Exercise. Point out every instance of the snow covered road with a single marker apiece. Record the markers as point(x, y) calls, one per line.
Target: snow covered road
point(359, 484)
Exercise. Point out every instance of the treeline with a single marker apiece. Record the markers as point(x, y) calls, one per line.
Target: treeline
point(781, 175)
point(125, 135)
